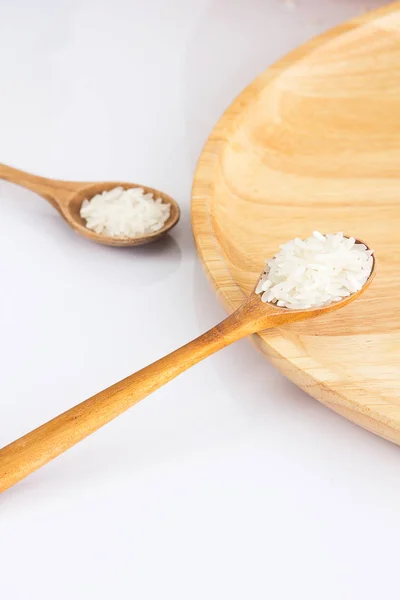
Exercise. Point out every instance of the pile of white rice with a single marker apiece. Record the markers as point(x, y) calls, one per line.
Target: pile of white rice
point(316, 271)
point(125, 213)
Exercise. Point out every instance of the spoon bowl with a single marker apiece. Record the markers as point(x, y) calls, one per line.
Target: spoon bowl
point(71, 213)
point(67, 198)
point(314, 312)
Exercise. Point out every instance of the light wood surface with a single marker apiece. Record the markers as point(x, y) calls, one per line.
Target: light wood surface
point(67, 198)
point(314, 143)
point(35, 449)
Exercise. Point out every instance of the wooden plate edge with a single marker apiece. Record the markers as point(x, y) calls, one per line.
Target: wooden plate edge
point(384, 419)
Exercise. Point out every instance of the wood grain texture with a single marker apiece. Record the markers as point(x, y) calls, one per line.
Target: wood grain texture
point(314, 143)
point(35, 449)
point(67, 198)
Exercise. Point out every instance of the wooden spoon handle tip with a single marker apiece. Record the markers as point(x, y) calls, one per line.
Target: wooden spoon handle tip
point(54, 191)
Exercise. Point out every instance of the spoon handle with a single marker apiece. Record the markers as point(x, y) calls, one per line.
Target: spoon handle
point(35, 449)
point(54, 191)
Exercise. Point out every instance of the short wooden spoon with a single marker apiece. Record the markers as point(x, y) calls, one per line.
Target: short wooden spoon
point(67, 198)
point(35, 449)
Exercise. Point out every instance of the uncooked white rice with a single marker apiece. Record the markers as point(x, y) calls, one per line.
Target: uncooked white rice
point(315, 272)
point(125, 213)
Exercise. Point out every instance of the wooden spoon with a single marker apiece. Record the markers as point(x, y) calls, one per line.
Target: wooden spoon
point(35, 449)
point(67, 198)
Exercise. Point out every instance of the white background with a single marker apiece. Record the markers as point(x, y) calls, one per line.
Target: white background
point(229, 483)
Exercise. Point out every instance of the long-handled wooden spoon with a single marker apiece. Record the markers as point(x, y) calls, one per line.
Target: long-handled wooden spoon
point(41, 445)
point(67, 198)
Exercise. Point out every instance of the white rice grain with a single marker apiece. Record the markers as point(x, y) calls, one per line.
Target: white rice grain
point(125, 213)
point(316, 271)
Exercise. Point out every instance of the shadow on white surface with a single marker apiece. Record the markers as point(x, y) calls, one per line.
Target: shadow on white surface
point(42, 223)
point(242, 369)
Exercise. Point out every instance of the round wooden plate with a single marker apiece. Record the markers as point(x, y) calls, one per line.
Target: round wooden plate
point(314, 143)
